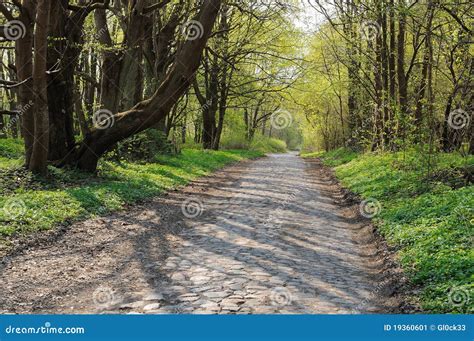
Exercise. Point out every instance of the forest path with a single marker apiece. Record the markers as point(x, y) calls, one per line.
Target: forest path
point(268, 237)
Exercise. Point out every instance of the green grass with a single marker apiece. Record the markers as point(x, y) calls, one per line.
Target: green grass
point(31, 204)
point(334, 157)
point(427, 216)
point(268, 145)
point(11, 152)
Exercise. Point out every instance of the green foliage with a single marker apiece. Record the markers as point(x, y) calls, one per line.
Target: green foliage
point(428, 221)
point(335, 157)
point(268, 145)
point(190, 144)
point(11, 155)
point(69, 195)
point(260, 143)
point(142, 147)
point(234, 140)
point(11, 148)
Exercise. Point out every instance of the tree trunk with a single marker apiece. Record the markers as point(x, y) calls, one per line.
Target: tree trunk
point(183, 131)
point(386, 133)
point(39, 156)
point(130, 75)
point(425, 69)
point(147, 113)
point(210, 108)
point(392, 53)
point(24, 72)
point(224, 79)
point(352, 69)
point(379, 86)
point(60, 94)
point(111, 66)
point(83, 124)
point(401, 75)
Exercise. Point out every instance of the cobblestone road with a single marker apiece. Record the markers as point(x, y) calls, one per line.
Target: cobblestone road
point(260, 237)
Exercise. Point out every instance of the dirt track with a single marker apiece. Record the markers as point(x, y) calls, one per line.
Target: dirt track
point(263, 236)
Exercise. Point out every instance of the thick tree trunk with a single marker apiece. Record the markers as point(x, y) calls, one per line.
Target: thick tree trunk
point(66, 33)
point(60, 94)
point(147, 113)
point(130, 75)
point(39, 156)
point(210, 108)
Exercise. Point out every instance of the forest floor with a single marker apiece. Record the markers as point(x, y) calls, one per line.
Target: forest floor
point(271, 235)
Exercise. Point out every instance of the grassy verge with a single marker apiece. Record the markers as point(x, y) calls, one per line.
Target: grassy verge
point(335, 157)
point(31, 204)
point(427, 215)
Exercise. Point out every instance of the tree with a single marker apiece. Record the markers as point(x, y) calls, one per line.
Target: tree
point(39, 155)
point(149, 112)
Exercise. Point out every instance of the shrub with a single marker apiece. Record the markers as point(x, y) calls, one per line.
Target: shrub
point(142, 147)
point(268, 145)
point(234, 141)
point(11, 148)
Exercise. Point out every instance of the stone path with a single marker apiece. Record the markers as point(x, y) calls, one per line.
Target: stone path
point(260, 237)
